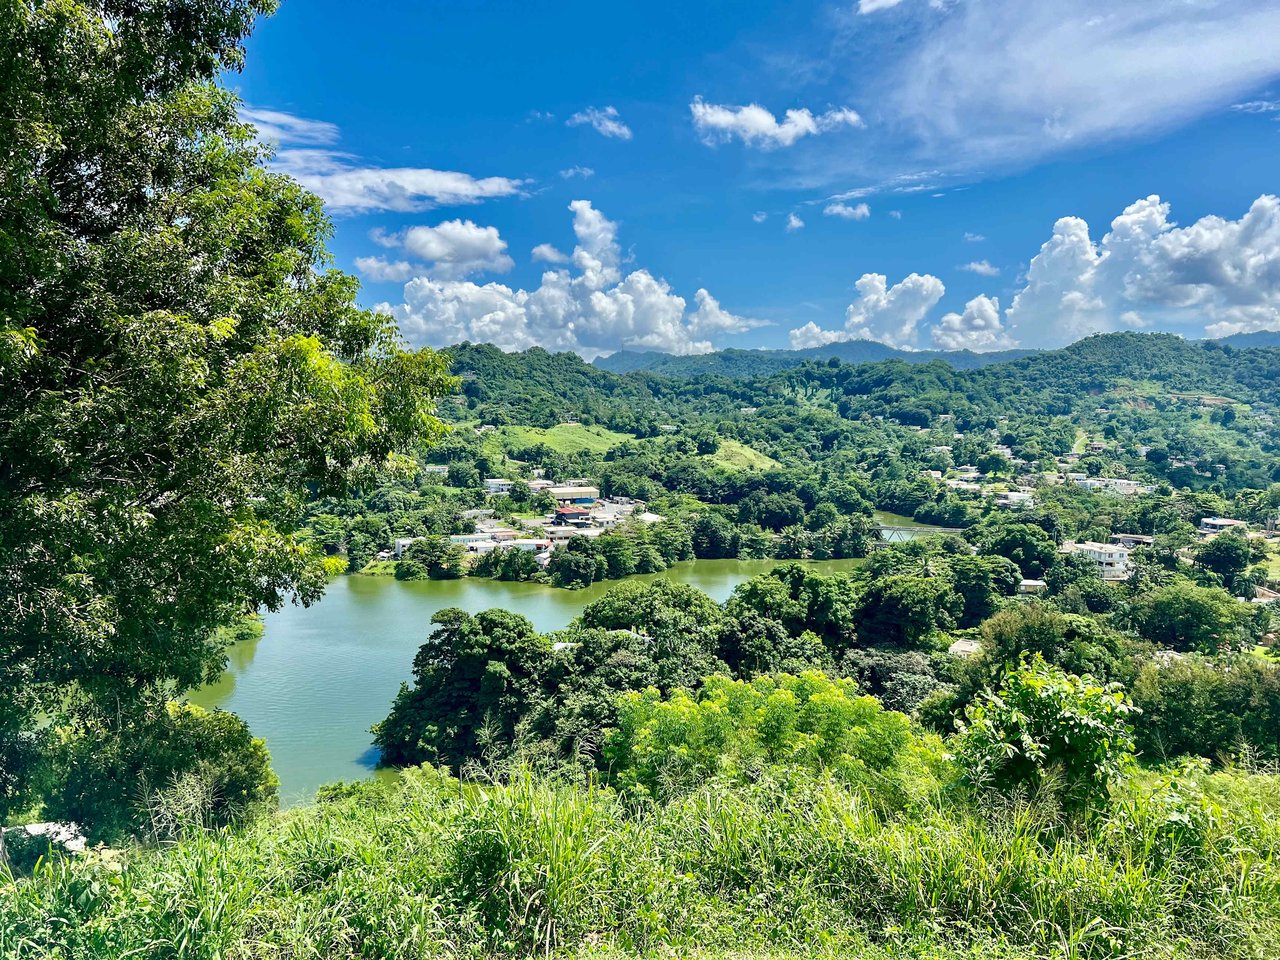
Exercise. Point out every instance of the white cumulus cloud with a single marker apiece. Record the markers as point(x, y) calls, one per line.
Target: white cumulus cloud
point(978, 328)
point(1222, 274)
point(548, 253)
point(756, 126)
point(982, 268)
point(458, 248)
point(589, 307)
point(889, 314)
point(794, 223)
point(710, 319)
point(450, 250)
point(577, 171)
point(604, 121)
point(859, 211)
point(382, 270)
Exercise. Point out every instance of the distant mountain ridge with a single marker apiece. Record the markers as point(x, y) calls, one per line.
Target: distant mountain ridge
point(754, 363)
point(738, 363)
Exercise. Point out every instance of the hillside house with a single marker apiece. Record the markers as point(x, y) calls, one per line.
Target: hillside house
point(570, 514)
point(1111, 558)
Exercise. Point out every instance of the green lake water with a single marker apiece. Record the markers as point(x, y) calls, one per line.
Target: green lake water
point(322, 675)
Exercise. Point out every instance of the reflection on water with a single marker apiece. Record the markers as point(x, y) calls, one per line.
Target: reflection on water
point(321, 676)
point(239, 659)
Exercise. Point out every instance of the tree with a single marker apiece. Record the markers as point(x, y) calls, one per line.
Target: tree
point(619, 556)
point(681, 623)
point(474, 680)
point(714, 537)
point(1025, 544)
point(434, 558)
point(1046, 727)
point(1228, 555)
point(112, 779)
point(576, 564)
point(508, 564)
point(1184, 617)
point(179, 368)
point(463, 475)
point(665, 746)
point(1213, 708)
point(903, 610)
point(981, 582)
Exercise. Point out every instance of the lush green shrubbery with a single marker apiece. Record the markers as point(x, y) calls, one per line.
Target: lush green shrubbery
point(147, 779)
point(1044, 727)
point(1213, 708)
point(1177, 867)
point(665, 747)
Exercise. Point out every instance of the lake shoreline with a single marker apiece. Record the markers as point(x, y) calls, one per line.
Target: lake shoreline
point(319, 677)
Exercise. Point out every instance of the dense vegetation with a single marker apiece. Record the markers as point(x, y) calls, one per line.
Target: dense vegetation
point(180, 371)
point(1181, 865)
point(755, 363)
point(973, 744)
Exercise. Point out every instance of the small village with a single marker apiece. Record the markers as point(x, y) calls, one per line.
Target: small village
point(579, 511)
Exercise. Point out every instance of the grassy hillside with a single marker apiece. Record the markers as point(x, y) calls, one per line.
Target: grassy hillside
point(734, 455)
point(810, 868)
point(562, 438)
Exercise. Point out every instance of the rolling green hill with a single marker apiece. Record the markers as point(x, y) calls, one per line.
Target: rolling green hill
point(754, 363)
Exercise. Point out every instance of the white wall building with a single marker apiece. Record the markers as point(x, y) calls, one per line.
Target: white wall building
point(1112, 559)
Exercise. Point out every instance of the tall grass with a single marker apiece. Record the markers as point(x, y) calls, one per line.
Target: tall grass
point(1181, 866)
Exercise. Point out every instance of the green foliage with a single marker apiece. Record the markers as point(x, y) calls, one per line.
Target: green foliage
point(664, 747)
point(1026, 545)
point(903, 611)
point(1184, 618)
point(179, 367)
point(117, 782)
point(1179, 867)
point(1210, 708)
point(474, 679)
point(432, 558)
point(1048, 728)
point(1228, 555)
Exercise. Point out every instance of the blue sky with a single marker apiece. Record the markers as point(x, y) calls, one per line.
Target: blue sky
point(699, 175)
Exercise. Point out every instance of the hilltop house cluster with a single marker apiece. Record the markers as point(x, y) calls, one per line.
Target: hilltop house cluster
point(580, 511)
point(1020, 491)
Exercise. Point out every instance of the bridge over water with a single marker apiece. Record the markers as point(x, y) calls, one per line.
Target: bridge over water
point(901, 533)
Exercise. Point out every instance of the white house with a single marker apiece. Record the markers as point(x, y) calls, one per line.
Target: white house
point(498, 485)
point(1116, 485)
point(401, 543)
point(1111, 558)
point(1212, 525)
point(530, 544)
point(1016, 498)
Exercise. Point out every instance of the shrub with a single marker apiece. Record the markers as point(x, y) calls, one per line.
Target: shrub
point(111, 780)
point(732, 728)
point(1047, 727)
